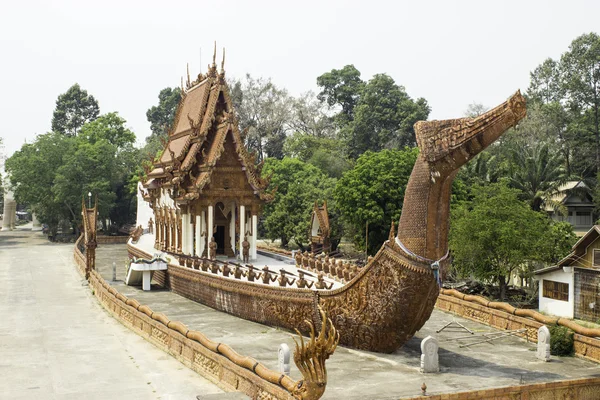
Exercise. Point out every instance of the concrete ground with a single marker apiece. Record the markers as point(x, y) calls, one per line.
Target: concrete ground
point(363, 375)
point(57, 342)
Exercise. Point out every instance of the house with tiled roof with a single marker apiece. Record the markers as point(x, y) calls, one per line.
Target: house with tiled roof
point(578, 205)
point(571, 288)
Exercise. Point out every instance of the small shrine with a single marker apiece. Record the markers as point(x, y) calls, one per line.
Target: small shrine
point(319, 229)
point(206, 187)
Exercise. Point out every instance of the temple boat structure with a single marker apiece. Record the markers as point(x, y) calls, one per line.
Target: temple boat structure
point(206, 193)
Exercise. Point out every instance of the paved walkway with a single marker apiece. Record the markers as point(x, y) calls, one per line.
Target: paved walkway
point(361, 375)
point(57, 342)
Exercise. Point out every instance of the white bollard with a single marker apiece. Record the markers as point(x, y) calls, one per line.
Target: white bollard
point(284, 359)
point(429, 358)
point(543, 344)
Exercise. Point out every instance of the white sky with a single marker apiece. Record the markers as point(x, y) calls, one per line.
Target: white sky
point(452, 53)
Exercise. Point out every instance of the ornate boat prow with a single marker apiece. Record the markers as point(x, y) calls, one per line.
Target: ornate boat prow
point(395, 293)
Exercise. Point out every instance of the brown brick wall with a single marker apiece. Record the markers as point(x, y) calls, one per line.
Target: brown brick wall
point(112, 239)
point(174, 338)
point(579, 389)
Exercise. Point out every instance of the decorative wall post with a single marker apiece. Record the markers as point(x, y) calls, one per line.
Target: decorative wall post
point(543, 344)
point(429, 358)
point(89, 227)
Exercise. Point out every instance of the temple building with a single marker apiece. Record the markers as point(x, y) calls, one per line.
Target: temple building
point(205, 185)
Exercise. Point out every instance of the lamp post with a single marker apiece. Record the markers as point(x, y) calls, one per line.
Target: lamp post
point(89, 199)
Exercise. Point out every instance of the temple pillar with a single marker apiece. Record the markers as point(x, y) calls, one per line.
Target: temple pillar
point(232, 227)
point(210, 226)
point(184, 233)
point(199, 247)
point(242, 228)
point(190, 235)
point(253, 250)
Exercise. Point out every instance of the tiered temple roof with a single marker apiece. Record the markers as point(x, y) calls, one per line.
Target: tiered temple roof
point(204, 128)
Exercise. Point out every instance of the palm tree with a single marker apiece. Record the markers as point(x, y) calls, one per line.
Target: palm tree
point(538, 171)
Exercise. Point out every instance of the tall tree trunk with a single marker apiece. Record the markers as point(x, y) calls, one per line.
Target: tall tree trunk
point(503, 285)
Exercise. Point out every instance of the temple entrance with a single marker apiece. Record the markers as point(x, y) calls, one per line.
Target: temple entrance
point(220, 239)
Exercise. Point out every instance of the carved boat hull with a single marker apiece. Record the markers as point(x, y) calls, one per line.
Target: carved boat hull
point(379, 310)
point(391, 298)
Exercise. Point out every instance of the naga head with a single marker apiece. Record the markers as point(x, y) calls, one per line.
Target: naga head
point(518, 106)
point(310, 359)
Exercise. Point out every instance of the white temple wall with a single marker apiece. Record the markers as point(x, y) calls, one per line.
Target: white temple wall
point(144, 212)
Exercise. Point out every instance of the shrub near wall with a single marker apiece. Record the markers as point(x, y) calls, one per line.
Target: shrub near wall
point(561, 341)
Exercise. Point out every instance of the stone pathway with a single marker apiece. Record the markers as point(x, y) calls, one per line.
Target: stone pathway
point(57, 342)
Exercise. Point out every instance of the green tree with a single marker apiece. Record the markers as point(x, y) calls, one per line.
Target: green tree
point(311, 118)
point(298, 185)
point(569, 92)
point(383, 117)
point(161, 118)
point(496, 234)
point(558, 243)
point(73, 109)
point(341, 88)
point(102, 163)
point(580, 68)
point(323, 152)
point(538, 173)
point(32, 171)
point(264, 111)
point(54, 172)
point(109, 127)
point(373, 192)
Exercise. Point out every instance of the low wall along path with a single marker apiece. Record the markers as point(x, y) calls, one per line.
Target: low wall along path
point(506, 317)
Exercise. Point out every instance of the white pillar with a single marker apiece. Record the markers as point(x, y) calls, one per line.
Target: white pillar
point(210, 226)
point(184, 232)
point(253, 252)
point(232, 227)
point(37, 226)
point(242, 227)
point(198, 232)
point(10, 211)
point(190, 237)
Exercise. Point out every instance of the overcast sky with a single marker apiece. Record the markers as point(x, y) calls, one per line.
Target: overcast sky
point(452, 53)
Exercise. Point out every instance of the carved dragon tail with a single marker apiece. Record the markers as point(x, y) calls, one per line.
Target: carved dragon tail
point(310, 358)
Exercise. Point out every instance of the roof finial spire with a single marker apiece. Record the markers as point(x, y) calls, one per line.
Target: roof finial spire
point(182, 85)
point(392, 232)
point(223, 62)
point(215, 55)
point(187, 65)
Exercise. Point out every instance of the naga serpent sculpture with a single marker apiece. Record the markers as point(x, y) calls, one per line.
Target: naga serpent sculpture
point(395, 293)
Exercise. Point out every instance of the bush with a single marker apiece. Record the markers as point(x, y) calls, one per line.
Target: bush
point(561, 341)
